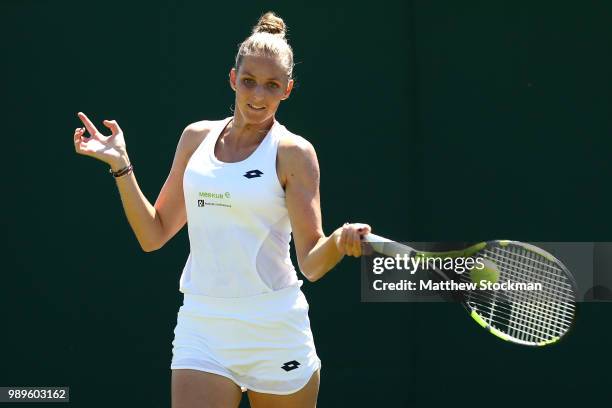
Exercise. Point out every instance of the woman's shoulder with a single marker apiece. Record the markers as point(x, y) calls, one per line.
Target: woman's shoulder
point(291, 143)
point(200, 129)
point(196, 132)
point(193, 135)
point(296, 152)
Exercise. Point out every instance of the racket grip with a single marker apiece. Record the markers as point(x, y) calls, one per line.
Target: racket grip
point(386, 246)
point(375, 238)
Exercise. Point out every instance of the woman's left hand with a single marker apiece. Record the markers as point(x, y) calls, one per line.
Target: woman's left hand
point(348, 238)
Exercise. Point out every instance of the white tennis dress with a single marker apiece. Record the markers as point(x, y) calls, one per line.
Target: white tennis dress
point(243, 314)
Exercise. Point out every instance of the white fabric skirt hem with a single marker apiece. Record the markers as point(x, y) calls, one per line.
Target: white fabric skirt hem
point(246, 387)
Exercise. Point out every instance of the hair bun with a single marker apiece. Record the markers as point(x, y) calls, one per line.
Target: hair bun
point(270, 23)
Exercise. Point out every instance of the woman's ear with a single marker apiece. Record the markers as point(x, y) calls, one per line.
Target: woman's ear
point(232, 78)
point(288, 89)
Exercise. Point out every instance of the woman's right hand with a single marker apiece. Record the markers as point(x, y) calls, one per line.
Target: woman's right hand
point(349, 238)
point(109, 149)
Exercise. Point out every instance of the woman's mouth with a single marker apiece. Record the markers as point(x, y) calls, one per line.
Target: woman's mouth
point(255, 107)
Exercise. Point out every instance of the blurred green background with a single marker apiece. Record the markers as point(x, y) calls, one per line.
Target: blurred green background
point(433, 120)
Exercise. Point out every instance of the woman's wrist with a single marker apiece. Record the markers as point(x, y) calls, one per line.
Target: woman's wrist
point(122, 172)
point(120, 163)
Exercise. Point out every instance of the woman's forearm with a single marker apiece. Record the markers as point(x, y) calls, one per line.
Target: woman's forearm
point(322, 258)
point(141, 215)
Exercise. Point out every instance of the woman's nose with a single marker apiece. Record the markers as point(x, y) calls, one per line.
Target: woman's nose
point(258, 92)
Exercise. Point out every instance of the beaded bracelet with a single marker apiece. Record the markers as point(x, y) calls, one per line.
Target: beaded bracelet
point(121, 172)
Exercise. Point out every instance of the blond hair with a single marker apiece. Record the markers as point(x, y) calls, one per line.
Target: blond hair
point(268, 40)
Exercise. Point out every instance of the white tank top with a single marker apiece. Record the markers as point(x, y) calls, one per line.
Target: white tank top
point(237, 219)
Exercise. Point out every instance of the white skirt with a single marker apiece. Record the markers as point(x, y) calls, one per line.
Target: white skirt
point(263, 343)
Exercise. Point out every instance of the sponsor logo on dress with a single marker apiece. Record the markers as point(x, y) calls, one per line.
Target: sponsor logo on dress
point(290, 365)
point(207, 198)
point(253, 173)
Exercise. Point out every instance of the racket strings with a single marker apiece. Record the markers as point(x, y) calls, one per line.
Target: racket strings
point(548, 295)
point(557, 288)
point(560, 314)
point(523, 266)
point(516, 295)
point(550, 312)
point(504, 314)
point(523, 332)
point(528, 316)
point(553, 308)
point(553, 316)
point(529, 271)
point(519, 325)
point(527, 265)
point(554, 327)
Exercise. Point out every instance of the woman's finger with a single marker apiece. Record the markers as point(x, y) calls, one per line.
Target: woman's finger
point(363, 229)
point(357, 230)
point(90, 126)
point(350, 240)
point(113, 126)
point(342, 241)
point(356, 242)
point(78, 133)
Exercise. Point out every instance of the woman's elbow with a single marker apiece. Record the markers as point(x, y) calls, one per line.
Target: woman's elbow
point(311, 278)
point(149, 246)
point(312, 274)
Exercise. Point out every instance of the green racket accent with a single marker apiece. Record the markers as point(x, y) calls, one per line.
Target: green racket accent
point(498, 333)
point(463, 253)
point(547, 342)
point(484, 324)
point(479, 319)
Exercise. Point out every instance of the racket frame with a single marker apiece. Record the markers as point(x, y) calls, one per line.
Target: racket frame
point(389, 247)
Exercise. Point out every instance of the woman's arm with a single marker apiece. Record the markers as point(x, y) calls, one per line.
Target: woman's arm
point(155, 225)
point(152, 225)
point(299, 174)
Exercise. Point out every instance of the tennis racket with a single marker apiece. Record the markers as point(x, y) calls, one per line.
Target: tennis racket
point(531, 318)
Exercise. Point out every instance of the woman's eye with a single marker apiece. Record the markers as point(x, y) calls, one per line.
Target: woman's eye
point(248, 81)
point(273, 85)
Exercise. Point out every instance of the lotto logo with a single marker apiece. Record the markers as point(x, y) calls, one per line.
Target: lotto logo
point(253, 173)
point(290, 365)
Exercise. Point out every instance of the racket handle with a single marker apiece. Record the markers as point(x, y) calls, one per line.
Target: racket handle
point(375, 238)
point(386, 246)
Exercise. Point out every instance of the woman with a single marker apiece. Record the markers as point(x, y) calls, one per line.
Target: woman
point(244, 184)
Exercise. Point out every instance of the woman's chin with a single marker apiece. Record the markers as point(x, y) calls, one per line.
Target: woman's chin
point(255, 116)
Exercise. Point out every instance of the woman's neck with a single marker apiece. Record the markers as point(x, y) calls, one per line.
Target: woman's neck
point(241, 134)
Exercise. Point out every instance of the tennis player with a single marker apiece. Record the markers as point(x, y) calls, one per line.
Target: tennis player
point(243, 185)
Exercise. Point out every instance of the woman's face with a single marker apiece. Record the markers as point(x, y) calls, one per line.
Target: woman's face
point(260, 84)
